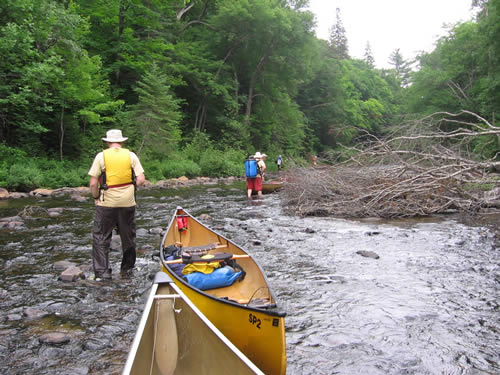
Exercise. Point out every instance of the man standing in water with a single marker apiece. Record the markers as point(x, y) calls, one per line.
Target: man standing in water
point(114, 176)
point(262, 167)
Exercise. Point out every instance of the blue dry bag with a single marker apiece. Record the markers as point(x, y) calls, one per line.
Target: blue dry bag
point(219, 278)
point(251, 169)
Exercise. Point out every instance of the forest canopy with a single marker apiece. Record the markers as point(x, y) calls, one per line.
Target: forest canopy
point(197, 85)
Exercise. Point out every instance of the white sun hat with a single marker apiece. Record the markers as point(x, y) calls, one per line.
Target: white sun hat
point(258, 155)
point(114, 135)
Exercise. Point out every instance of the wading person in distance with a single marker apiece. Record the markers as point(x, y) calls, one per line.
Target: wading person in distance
point(114, 176)
point(279, 162)
point(262, 168)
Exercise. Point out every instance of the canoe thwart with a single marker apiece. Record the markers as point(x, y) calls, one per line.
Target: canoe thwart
point(201, 248)
point(167, 296)
point(217, 257)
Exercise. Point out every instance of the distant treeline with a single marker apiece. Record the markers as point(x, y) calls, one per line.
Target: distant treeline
point(197, 85)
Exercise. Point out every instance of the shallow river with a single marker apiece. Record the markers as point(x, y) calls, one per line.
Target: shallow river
point(428, 305)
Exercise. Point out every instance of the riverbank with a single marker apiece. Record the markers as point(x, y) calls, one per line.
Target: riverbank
point(81, 193)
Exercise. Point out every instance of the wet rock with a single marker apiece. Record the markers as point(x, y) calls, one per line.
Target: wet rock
point(14, 317)
point(147, 185)
point(205, 217)
point(368, 254)
point(310, 230)
point(81, 370)
point(18, 260)
point(63, 264)
point(116, 243)
point(86, 267)
point(372, 233)
point(162, 184)
point(257, 242)
point(11, 218)
point(17, 195)
point(12, 224)
point(72, 274)
point(214, 190)
point(41, 192)
point(70, 190)
point(157, 230)
point(55, 338)
point(55, 209)
point(4, 193)
point(78, 197)
point(96, 344)
point(142, 232)
point(34, 313)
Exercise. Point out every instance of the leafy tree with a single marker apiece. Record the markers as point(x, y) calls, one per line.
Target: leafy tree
point(128, 35)
point(448, 79)
point(46, 76)
point(368, 99)
point(321, 100)
point(489, 42)
point(269, 50)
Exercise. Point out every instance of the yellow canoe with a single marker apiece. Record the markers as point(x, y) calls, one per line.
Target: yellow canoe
point(271, 186)
point(246, 312)
point(175, 338)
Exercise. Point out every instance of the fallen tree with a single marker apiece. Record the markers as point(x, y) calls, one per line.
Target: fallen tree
point(426, 167)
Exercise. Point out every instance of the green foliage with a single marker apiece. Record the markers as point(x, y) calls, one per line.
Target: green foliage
point(172, 168)
point(154, 120)
point(486, 146)
point(27, 174)
point(177, 168)
point(215, 79)
point(11, 154)
point(447, 79)
point(23, 177)
point(200, 142)
point(215, 163)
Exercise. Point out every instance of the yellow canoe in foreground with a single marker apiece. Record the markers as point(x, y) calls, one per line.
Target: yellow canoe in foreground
point(246, 312)
point(175, 338)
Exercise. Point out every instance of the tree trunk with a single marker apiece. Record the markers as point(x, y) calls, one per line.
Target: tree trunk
point(251, 88)
point(61, 136)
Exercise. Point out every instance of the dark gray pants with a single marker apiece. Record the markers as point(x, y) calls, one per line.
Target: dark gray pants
point(106, 219)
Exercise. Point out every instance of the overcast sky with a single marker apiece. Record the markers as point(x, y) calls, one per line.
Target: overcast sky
point(410, 25)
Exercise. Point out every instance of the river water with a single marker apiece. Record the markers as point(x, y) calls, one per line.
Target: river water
point(428, 305)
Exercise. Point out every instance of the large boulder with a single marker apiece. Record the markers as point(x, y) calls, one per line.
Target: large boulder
point(41, 192)
point(4, 194)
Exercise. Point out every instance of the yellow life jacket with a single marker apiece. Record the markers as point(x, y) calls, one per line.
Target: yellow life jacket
point(118, 168)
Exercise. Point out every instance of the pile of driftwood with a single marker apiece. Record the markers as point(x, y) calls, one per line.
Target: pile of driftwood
point(423, 168)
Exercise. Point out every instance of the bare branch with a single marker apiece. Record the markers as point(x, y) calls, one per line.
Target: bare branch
point(416, 172)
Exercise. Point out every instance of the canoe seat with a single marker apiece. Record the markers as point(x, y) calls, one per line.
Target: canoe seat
point(165, 347)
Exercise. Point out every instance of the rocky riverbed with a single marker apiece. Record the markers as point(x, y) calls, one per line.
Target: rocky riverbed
point(414, 296)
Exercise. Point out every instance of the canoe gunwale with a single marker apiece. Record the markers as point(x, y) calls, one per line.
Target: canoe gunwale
point(276, 313)
point(162, 278)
